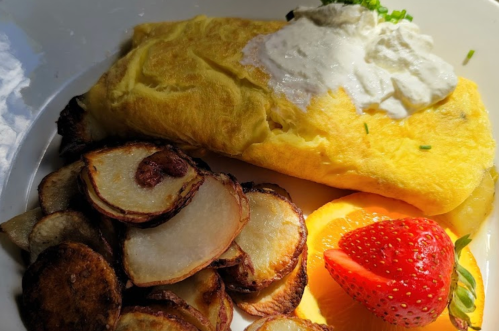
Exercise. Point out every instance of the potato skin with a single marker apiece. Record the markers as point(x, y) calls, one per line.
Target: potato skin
point(71, 287)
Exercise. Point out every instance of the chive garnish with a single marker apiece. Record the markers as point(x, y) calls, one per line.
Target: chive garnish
point(470, 54)
point(366, 128)
point(394, 17)
point(425, 147)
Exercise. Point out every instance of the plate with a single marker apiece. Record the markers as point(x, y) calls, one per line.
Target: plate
point(67, 45)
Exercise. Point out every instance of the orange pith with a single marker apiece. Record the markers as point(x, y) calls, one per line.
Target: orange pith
point(324, 300)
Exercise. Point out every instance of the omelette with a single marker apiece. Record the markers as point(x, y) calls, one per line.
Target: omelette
point(184, 82)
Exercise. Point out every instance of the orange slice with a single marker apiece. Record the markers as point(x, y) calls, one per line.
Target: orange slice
point(324, 301)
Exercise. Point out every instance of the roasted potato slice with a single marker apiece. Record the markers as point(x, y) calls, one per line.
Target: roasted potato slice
point(148, 319)
point(231, 257)
point(189, 241)
point(226, 313)
point(283, 322)
point(58, 189)
point(19, 227)
point(204, 291)
point(143, 178)
point(63, 226)
point(273, 240)
point(281, 297)
point(78, 128)
point(267, 187)
point(71, 287)
point(170, 303)
point(106, 209)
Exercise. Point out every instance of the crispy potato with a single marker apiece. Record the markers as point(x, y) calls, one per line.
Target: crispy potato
point(226, 313)
point(78, 129)
point(148, 319)
point(204, 291)
point(143, 178)
point(19, 227)
point(273, 240)
point(170, 303)
point(283, 322)
point(71, 287)
point(281, 297)
point(63, 226)
point(256, 324)
point(231, 257)
point(104, 208)
point(268, 187)
point(189, 241)
point(57, 190)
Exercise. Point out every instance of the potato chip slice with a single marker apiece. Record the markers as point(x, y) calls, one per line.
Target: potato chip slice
point(78, 128)
point(57, 190)
point(280, 297)
point(63, 226)
point(142, 178)
point(231, 257)
point(283, 322)
point(205, 291)
point(148, 319)
point(226, 314)
point(170, 303)
point(273, 240)
point(106, 209)
point(19, 227)
point(189, 241)
point(71, 287)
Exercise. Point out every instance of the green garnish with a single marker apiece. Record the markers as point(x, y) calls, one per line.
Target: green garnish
point(394, 17)
point(462, 292)
point(424, 146)
point(366, 128)
point(470, 54)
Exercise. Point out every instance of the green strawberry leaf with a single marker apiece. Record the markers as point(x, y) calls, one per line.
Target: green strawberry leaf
point(465, 300)
point(466, 279)
point(461, 243)
point(463, 291)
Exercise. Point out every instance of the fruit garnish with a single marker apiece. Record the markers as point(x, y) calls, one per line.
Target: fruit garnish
point(404, 271)
point(326, 302)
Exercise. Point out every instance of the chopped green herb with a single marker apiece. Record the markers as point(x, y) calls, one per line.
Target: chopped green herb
point(382, 10)
point(394, 17)
point(470, 54)
point(366, 128)
point(424, 146)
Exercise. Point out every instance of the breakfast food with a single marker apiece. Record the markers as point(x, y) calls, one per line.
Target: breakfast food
point(282, 322)
point(194, 82)
point(325, 301)
point(145, 318)
point(280, 297)
point(183, 243)
point(151, 256)
point(157, 230)
point(71, 287)
point(275, 232)
point(413, 273)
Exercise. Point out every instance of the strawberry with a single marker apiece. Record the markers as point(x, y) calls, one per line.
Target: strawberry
point(404, 271)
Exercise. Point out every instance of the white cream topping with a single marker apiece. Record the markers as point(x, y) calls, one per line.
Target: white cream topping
point(381, 65)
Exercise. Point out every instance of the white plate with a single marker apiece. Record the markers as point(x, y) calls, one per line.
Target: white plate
point(67, 45)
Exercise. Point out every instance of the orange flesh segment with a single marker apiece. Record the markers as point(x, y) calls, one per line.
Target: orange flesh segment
point(324, 300)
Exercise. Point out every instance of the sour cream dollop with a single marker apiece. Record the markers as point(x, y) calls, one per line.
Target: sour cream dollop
point(381, 65)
